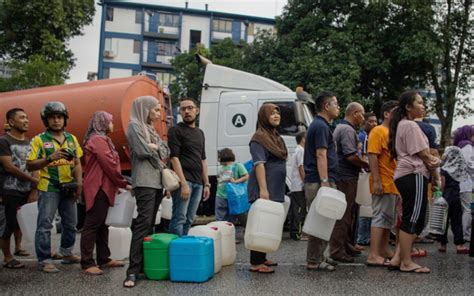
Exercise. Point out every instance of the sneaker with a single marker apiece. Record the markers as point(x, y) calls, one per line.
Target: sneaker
point(49, 268)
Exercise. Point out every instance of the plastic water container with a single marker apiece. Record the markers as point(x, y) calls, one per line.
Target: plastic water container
point(264, 226)
point(363, 197)
point(120, 239)
point(330, 203)
point(158, 216)
point(229, 251)
point(438, 214)
point(27, 216)
point(287, 204)
point(214, 233)
point(156, 263)
point(365, 211)
point(121, 214)
point(191, 259)
point(167, 208)
point(318, 225)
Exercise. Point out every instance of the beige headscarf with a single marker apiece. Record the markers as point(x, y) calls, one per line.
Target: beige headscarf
point(139, 115)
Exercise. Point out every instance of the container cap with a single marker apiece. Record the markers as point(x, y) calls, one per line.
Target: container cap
point(147, 239)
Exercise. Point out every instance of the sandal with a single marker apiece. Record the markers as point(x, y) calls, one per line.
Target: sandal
point(21, 253)
point(417, 252)
point(94, 270)
point(418, 269)
point(130, 281)
point(464, 250)
point(270, 263)
point(113, 263)
point(323, 266)
point(385, 263)
point(442, 249)
point(56, 256)
point(262, 269)
point(13, 264)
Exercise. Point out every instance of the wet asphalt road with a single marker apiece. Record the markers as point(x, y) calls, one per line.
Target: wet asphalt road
point(451, 274)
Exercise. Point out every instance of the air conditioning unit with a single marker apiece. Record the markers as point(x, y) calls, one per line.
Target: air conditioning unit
point(109, 54)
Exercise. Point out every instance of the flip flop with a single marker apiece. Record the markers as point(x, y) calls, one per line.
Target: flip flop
point(130, 278)
point(417, 252)
point(94, 270)
point(270, 263)
point(417, 270)
point(323, 266)
point(262, 269)
point(21, 253)
point(386, 263)
point(13, 264)
point(113, 263)
point(391, 267)
point(462, 251)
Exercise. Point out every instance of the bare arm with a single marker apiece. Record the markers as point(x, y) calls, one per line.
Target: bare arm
point(374, 169)
point(78, 176)
point(430, 161)
point(262, 181)
point(185, 192)
point(38, 164)
point(242, 179)
point(205, 180)
point(355, 160)
point(6, 162)
point(301, 172)
point(322, 163)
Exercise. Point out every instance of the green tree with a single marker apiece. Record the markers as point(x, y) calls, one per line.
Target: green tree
point(34, 36)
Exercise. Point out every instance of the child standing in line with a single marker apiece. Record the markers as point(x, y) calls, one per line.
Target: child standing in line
point(228, 172)
point(453, 171)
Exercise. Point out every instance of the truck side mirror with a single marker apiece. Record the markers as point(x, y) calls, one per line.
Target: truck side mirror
point(299, 115)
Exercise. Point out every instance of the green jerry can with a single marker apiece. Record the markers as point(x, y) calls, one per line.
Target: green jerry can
point(156, 255)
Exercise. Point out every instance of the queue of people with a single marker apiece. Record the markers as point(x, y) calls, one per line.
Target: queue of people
point(397, 153)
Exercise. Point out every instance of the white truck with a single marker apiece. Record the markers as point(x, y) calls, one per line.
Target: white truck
point(230, 102)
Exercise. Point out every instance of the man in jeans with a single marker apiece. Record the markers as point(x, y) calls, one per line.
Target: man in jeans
point(350, 164)
point(188, 158)
point(56, 154)
point(16, 182)
point(320, 167)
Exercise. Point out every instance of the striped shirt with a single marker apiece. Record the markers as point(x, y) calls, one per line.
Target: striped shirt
point(59, 171)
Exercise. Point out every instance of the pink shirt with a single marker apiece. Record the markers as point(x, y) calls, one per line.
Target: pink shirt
point(101, 171)
point(409, 141)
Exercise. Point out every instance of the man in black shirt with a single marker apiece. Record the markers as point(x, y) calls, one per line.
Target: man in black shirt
point(15, 181)
point(188, 158)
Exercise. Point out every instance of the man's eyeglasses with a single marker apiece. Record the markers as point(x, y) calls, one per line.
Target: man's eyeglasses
point(187, 108)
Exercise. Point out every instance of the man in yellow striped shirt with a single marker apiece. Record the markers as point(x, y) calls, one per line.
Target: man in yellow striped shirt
point(56, 153)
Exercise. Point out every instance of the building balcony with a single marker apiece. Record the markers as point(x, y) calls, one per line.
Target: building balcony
point(162, 32)
point(220, 36)
point(158, 61)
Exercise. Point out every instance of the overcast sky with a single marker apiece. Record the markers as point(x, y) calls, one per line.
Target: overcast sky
point(86, 47)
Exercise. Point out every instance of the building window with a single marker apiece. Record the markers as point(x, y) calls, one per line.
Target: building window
point(220, 25)
point(108, 44)
point(106, 73)
point(251, 28)
point(165, 78)
point(194, 39)
point(165, 49)
point(138, 16)
point(169, 20)
point(135, 72)
point(136, 46)
point(110, 14)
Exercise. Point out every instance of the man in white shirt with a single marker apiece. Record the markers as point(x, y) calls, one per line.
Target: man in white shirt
point(297, 210)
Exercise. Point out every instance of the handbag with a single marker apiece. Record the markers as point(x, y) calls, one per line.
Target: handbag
point(170, 179)
point(237, 197)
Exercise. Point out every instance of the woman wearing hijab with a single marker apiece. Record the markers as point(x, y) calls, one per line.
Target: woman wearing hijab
point(453, 171)
point(267, 180)
point(102, 178)
point(148, 155)
point(464, 139)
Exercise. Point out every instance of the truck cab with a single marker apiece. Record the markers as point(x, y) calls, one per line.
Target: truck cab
point(230, 102)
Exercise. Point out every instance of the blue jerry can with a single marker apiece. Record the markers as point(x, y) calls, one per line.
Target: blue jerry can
point(191, 259)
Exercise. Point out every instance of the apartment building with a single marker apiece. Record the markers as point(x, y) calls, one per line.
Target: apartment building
point(138, 37)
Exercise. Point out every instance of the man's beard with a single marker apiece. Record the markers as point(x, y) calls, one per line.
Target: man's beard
point(189, 121)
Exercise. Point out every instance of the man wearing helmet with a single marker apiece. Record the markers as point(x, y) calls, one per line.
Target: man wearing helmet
point(56, 154)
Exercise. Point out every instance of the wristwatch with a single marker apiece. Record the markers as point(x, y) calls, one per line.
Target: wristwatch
point(49, 159)
point(208, 185)
point(325, 180)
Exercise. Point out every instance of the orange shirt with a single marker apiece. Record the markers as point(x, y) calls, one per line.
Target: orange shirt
point(378, 144)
